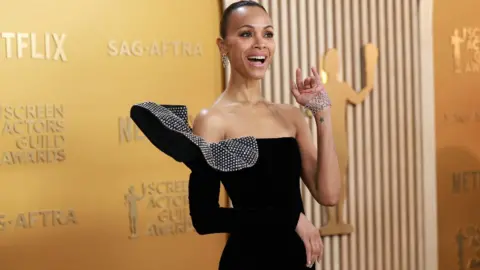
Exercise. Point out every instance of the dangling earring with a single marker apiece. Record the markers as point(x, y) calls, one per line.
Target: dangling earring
point(224, 61)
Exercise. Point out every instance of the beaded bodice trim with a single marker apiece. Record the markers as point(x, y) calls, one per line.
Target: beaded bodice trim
point(226, 155)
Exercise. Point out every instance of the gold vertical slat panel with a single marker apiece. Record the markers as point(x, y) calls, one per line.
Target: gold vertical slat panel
point(425, 127)
point(377, 189)
point(391, 175)
point(409, 109)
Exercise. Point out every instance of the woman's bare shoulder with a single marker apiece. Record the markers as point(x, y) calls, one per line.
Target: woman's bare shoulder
point(209, 124)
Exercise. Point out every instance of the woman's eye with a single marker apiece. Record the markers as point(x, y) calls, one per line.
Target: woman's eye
point(245, 34)
point(250, 34)
point(269, 35)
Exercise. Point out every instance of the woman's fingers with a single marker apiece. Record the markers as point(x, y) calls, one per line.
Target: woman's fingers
point(308, 248)
point(320, 245)
point(316, 75)
point(313, 82)
point(308, 83)
point(314, 248)
point(294, 89)
point(316, 251)
point(299, 79)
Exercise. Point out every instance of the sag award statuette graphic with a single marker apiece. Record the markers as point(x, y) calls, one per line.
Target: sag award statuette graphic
point(466, 49)
point(131, 200)
point(342, 94)
point(468, 247)
point(164, 209)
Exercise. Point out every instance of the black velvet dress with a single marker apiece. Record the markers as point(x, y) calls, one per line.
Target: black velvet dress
point(261, 177)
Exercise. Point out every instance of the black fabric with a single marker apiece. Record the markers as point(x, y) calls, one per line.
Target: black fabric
point(267, 204)
point(170, 142)
point(266, 196)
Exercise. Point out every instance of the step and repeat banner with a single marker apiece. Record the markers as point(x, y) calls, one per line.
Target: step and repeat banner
point(80, 186)
point(457, 86)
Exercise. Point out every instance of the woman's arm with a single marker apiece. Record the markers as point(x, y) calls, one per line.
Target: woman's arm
point(320, 168)
point(204, 189)
point(208, 217)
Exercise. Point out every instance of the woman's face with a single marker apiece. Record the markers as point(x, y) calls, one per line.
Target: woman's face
point(249, 42)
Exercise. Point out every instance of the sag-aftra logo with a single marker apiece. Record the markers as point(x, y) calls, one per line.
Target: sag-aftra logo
point(43, 46)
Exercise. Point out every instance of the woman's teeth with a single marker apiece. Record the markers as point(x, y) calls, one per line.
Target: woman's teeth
point(257, 58)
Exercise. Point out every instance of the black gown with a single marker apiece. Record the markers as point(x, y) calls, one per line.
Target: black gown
point(261, 177)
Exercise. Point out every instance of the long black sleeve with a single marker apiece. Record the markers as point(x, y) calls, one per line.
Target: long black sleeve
point(208, 217)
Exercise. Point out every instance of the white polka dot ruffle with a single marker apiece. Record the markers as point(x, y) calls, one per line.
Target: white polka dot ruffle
point(226, 155)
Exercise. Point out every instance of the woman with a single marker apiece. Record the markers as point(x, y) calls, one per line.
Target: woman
point(257, 149)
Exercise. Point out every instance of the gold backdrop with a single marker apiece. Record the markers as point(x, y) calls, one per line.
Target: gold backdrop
point(69, 73)
point(457, 86)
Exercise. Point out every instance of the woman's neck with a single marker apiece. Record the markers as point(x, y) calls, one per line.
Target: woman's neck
point(243, 90)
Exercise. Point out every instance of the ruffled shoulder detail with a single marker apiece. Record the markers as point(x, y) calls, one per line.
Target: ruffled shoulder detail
point(167, 127)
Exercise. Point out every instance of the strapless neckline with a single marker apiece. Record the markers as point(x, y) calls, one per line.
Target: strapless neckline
point(275, 138)
point(167, 127)
point(287, 138)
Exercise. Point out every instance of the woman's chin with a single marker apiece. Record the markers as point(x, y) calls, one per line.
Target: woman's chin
point(256, 74)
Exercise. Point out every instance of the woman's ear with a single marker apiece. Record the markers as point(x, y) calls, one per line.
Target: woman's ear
point(222, 46)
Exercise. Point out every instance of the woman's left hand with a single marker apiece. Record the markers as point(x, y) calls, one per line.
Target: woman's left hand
point(306, 89)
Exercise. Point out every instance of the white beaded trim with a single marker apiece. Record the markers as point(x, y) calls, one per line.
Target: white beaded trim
point(226, 155)
point(319, 102)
